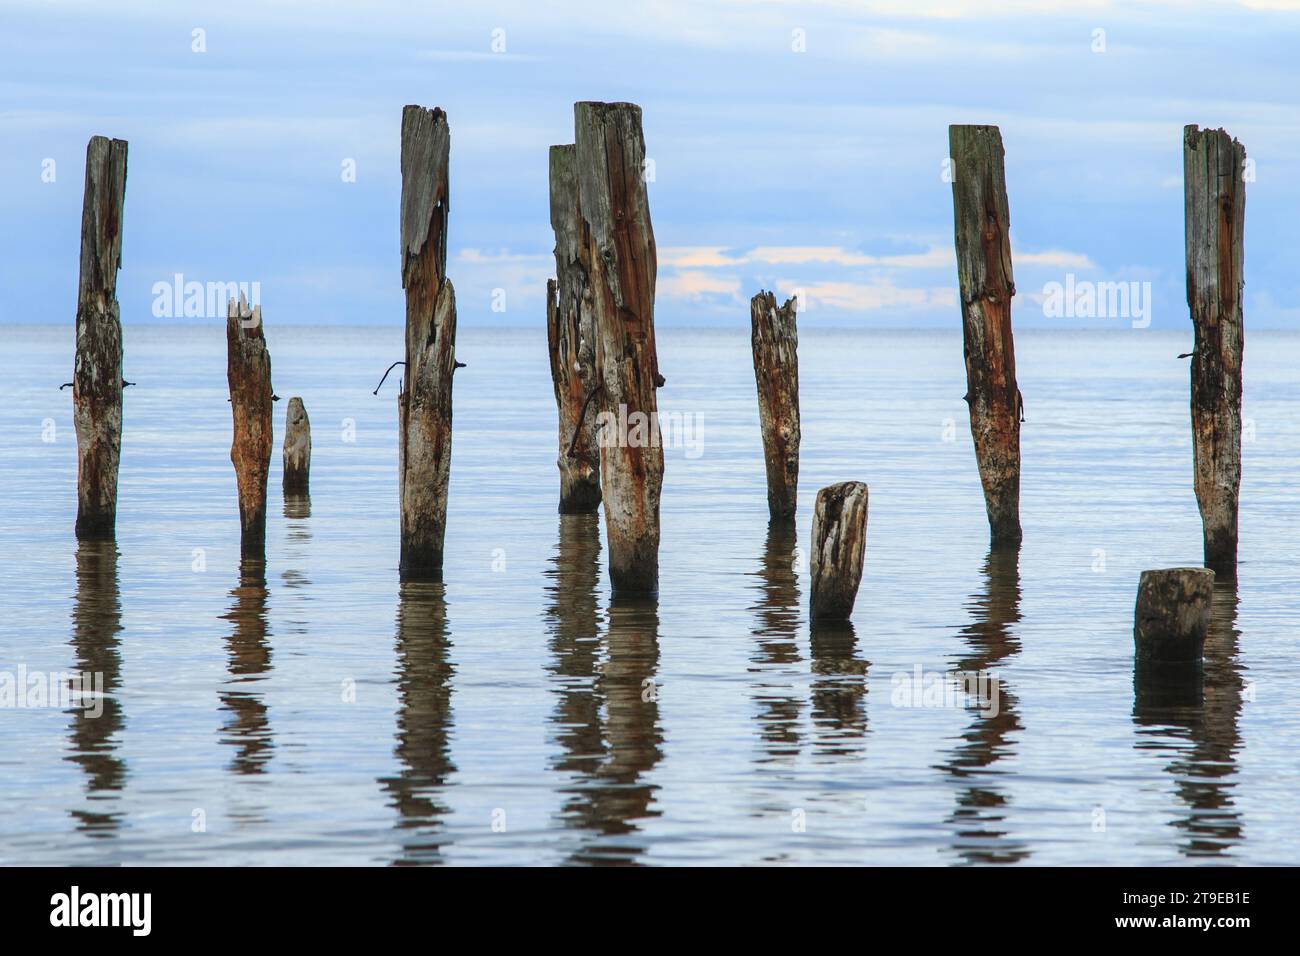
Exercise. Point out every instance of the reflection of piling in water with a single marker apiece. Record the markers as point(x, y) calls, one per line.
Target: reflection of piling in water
point(980, 814)
point(96, 621)
point(574, 622)
point(608, 713)
point(248, 661)
point(1190, 713)
point(424, 718)
point(839, 688)
point(627, 685)
point(777, 648)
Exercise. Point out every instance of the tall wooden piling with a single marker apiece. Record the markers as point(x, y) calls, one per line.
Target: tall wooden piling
point(424, 404)
point(981, 225)
point(610, 149)
point(776, 370)
point(1215, 196)
point(570, 334)
point(248, 370)
point(839, 545)
point(97, 369)
point(297, 449)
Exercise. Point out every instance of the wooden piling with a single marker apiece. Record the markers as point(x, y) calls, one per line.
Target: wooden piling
point(1215, 196)
point(775, 342)
point(570, 334)
point(97, 370)
point(610, 149)
point(1172, 615)
point(424, 404)
point(297, 449)
point(248, 370)
point(839, 544)
point(981, 226)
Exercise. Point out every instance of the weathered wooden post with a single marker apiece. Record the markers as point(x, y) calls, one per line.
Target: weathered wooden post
point(297, 449)
point(610, 150)
point(1215, 195)
point(248, 370)
point(97, 370)
point(986, 284)
point(776, 370)
point(570, 333)
point(1172, 615)
point(839, 544)
point(424, 404)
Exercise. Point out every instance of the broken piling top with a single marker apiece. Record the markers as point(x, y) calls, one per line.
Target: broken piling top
point(248, 372)
point(97, 366)
point(297, 449)
point(981, 227)
point(1172, 615)
point(1215, 206)
point(775, 341)
point(610, 149)
point(426, 192)
point(982, 218)
point(839, 546)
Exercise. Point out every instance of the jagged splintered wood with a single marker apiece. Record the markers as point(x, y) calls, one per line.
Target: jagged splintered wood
point(621, 249)
point(1215, 191)
point(982, 223)
point(1172, 615)
point(297, 449)
point(776, 370)
point(424, 403)
point(248, 370)
point(571, 335)
point(97, 369)
point(839, 544)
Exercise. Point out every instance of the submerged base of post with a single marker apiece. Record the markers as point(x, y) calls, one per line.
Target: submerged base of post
point(1172, 615)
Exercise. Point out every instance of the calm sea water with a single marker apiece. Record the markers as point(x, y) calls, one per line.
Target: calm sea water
point(319, 713)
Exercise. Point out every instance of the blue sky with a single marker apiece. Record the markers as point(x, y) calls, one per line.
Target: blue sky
point(818, 169)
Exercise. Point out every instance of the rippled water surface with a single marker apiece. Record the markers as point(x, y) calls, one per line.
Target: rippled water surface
point(314, 712)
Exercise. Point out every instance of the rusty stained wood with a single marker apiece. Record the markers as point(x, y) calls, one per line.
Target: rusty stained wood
point(248, 371)
point(981, 227)
point(97, 368)
point(776, 370)
point(1215, 194)
point(297, 449)
point(571, 338)
point(839, 545)
point(610, 150)
point(424, 404)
